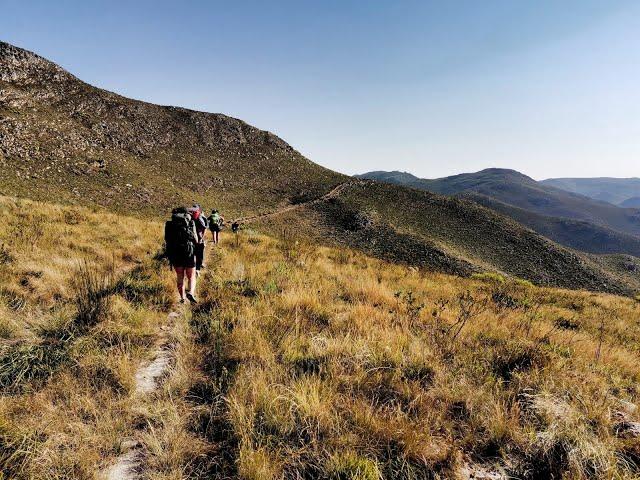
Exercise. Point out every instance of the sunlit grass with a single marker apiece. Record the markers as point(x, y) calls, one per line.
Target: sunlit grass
point(302, 362)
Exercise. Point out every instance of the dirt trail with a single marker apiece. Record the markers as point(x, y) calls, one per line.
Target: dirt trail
point(129, 465)
point(333, 193)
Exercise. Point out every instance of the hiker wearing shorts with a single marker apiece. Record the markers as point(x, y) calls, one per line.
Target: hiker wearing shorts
point(216, 221)
point(201, 224)
point(180, 238)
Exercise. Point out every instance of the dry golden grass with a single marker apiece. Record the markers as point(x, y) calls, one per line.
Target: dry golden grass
point(308, 362)
point(335, 365)
point(80, 303)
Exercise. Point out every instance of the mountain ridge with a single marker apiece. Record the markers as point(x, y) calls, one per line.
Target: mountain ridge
point(510, 187)
point(607, 189)
point(64, 140)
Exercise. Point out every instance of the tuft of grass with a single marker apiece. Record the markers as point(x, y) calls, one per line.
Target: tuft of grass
point(5, 255)
point(489, 277)
point(24, 363)
point(92, 289)
point(146, 286)
point(16, 447)
point(350, 466)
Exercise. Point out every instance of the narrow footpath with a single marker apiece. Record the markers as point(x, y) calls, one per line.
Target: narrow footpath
point(148, 378)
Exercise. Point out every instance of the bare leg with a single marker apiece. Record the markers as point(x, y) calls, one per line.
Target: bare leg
point(180, 281)
point(190, 273)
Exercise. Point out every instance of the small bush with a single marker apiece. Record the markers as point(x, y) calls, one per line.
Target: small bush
point(271, 287)
point(503, 300)
point(514, 357)
point(566, 323)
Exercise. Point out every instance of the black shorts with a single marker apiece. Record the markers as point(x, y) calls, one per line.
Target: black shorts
point(184, 262)
point(214, 228)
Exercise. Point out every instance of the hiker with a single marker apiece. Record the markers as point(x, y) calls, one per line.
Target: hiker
point(180, 238)
point(201, 227)
point(216, 221)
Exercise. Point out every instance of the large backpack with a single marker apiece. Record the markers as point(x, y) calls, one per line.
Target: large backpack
point(215, 219)
point(179, 236)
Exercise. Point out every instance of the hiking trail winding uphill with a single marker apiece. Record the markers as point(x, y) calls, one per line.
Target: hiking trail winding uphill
point(333, 193)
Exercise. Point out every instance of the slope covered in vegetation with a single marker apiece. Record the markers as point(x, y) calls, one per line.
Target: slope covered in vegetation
point(555, 211)
point(63, 139)
point(302, 361)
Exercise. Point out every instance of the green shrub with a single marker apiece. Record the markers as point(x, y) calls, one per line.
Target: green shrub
point(523, 283)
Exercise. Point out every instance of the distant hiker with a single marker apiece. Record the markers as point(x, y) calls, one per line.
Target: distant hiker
point(201, 227)
point(235, 226)
point(216, 221)
point(180, 238)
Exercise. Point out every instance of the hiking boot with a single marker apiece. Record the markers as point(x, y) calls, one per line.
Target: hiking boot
point(191, 298)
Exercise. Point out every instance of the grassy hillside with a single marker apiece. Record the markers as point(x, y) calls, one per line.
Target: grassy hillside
point(577, 234)
point(516, 194)
point(446, 234)
point(302, 362)
point(81, 301)
point(632, 202)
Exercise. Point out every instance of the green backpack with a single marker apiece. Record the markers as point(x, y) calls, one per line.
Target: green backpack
point(215, 219)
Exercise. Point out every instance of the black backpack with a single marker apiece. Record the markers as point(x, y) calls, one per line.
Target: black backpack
point(179, 236)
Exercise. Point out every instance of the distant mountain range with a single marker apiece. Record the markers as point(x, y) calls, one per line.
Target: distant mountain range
point(571, 219)
point(65, 141)
point(624, 192)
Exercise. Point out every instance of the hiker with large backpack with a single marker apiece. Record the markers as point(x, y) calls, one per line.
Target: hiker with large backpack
point(201, 223)
point(216, 222)
point(180, 238)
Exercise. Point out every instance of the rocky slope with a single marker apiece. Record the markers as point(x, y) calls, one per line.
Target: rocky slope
point(65, 140)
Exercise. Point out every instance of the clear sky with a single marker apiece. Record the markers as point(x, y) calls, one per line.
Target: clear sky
point(547, 87)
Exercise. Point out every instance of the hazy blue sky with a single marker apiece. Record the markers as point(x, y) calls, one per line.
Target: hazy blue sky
point(548, 87)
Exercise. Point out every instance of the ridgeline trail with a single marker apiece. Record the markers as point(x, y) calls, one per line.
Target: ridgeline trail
point(333, 193)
